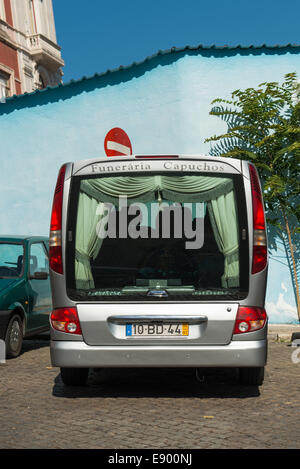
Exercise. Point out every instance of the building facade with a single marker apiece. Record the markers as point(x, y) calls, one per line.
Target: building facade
point(163, 105)
point(30, 57)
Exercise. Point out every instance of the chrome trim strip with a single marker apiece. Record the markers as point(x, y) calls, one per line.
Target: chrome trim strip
point(157, 319)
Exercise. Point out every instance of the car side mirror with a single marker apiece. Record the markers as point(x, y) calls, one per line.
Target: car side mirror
point(39, 276)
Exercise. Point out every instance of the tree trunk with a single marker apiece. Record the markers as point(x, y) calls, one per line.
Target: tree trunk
point(287, 227)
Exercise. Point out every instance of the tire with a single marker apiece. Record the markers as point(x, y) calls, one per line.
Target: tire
point(295, 337)
point(252, 376)
point(74, 376)
point(14, 337)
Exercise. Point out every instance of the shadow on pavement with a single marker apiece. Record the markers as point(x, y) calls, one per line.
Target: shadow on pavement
point(34, 343)
point(157, 382)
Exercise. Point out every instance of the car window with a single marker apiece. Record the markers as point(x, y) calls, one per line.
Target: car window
point(11, 259)
point(38, 259)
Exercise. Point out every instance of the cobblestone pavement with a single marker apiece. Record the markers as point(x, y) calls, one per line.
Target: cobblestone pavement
point(147, 408)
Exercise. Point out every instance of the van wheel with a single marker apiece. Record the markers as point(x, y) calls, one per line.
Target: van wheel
point(14, 337)
point(252, 376)
point(74, 376)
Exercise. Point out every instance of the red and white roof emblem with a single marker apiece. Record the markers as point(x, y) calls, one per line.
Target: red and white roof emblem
point(117, 143)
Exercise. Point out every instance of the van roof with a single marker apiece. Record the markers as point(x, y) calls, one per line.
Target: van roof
point(22, 238)
point(80, 164)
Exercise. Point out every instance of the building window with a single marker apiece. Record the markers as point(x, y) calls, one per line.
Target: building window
point(41, 82)
point(2, 11)
point(4, 86)
point(31, 17)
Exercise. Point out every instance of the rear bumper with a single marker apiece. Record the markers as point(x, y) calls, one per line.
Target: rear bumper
point(77, 354)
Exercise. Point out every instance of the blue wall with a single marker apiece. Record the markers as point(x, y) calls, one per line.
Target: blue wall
point(163, 104)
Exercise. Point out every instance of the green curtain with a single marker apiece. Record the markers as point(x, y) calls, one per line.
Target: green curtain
point(144, 188)
point(88, 243)
point(223, 217)
point(216, 191)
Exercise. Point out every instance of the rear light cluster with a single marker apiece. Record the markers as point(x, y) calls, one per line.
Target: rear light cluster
point(66, 320)
point(55, 249)
point(156, 156)
point(260, 253)
point(249, 319)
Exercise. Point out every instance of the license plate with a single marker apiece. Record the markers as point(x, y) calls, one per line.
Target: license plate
point(157, 330)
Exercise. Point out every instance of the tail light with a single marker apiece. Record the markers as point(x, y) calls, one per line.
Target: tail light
point(249, 319)
point(260, 253)
point(156, 156)
point(55, 249)
point(66, 320)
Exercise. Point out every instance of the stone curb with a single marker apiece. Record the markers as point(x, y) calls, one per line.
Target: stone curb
point(282, 332)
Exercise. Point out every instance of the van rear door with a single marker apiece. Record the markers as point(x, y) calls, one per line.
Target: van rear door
point(167, 324)
point(158, 251)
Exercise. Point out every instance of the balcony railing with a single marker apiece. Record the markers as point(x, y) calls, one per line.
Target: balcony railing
point(44, 51)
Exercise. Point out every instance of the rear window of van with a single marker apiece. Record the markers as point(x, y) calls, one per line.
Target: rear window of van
point(181, 234)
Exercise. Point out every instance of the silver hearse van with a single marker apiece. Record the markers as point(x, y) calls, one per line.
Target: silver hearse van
point(158, 261)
